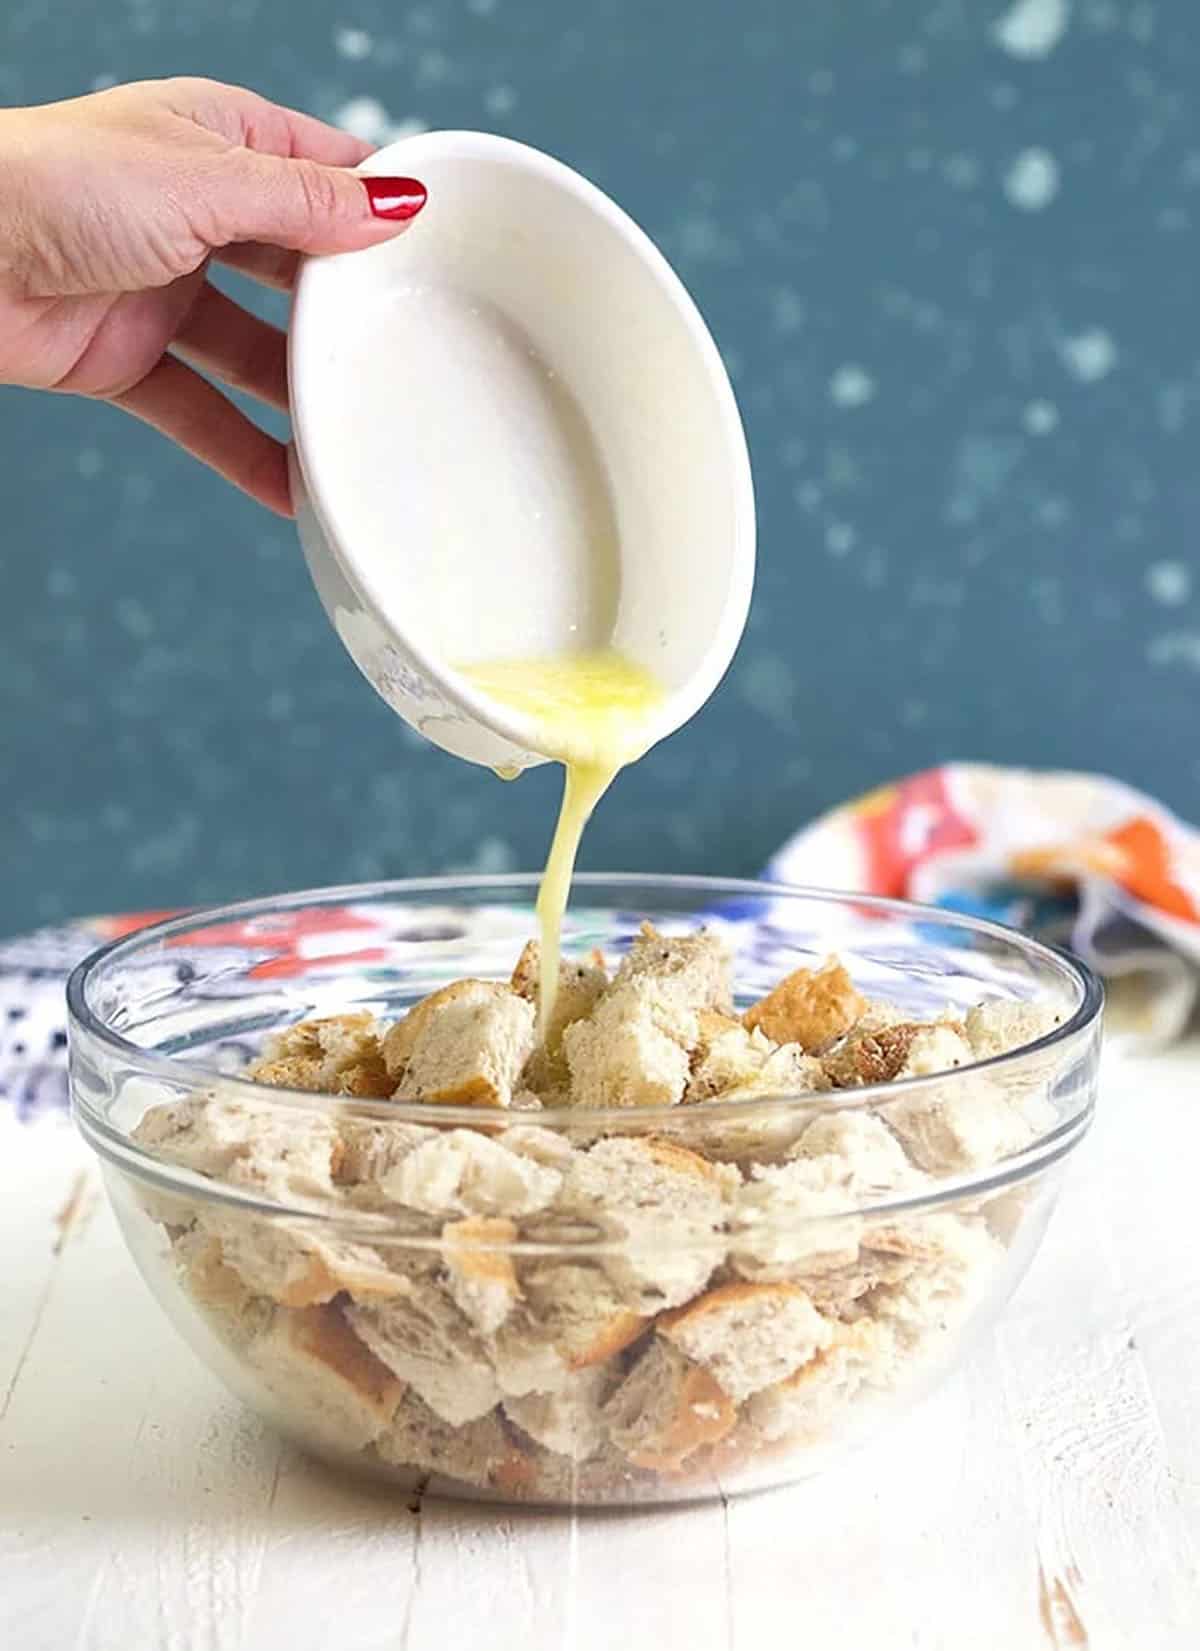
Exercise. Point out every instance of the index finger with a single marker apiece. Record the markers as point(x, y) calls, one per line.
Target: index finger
point(314, 140)
point(246, 117)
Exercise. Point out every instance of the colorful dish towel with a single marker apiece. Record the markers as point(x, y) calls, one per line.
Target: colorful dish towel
point(1075, 859)
point(1079, 860)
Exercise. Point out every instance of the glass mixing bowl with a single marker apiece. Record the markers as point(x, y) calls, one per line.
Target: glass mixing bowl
point(409, 1289)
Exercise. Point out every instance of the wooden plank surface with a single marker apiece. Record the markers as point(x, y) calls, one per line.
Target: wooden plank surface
point(1047, 1496)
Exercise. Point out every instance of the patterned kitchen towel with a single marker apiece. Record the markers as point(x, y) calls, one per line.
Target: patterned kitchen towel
point(1079, 860)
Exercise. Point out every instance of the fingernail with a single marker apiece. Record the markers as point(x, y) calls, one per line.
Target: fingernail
point(395, 198)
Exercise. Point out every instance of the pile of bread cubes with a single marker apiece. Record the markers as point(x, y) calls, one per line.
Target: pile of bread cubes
point(611, 1309)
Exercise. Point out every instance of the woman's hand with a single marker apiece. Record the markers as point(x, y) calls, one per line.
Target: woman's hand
point(111, 207)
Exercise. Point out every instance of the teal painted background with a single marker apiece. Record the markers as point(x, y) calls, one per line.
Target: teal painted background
point(949, 250)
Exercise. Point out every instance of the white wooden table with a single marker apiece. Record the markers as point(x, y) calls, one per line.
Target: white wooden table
point(1048, 1496)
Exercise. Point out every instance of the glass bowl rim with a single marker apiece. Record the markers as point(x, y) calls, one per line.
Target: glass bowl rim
point(115, 1142)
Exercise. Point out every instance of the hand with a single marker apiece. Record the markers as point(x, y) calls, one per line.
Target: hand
point(111, 207)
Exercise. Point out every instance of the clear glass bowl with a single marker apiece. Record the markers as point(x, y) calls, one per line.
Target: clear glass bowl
point(468, 1330)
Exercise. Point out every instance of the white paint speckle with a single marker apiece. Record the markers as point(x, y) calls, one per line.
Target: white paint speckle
point(493, 857)
point(1089, 355)
point(89, 463)
point(1032, 28)
point(1102, 15)
point(768, 686)
point(1040, 417)
point(1169, 583)
point(703, 241)
point(961, 171)
point(1175, 648)
point(873, 568)
point(787, 310)
point(1052, 511)
point(912, 59)
point(367, 119)
point(1172, 400)
point(134, 617)
point(1031, 182)
point(481, 8)
point(101, 83)
point(851, 386)
point(839, 538)
point(820, 82)
point(808, 495)
point(1141, 24)
point(501, 100)
point(1047, 600)
point(433, 67)
point(354, 44)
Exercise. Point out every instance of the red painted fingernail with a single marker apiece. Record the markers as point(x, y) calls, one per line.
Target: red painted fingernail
point(395, 198)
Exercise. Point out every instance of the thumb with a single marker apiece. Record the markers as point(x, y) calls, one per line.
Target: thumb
point(307, 207)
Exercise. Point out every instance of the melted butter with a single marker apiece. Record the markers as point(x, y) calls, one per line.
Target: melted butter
point(593, 712)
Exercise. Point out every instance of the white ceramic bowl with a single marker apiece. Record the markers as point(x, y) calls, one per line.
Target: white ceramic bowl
point(514, 436)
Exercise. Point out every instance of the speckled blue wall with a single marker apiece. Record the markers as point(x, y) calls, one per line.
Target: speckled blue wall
point(950, 252)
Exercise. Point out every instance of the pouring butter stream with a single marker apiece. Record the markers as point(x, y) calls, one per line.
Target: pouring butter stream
point(594, 712)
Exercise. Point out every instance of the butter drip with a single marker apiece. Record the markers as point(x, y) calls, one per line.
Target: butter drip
point(593, 711)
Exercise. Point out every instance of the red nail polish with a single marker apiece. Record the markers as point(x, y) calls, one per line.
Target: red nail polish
point(395, 198)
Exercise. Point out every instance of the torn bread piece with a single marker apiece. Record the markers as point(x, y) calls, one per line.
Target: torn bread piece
point(908, 1049)
point(298, 1265)
point(810, 1007)
point(748, 1335)
point(731, 1061)
point(340, 1055)
point(873, 1160)
point(323, 1376)
point(369, 1151)
point(466, 1045)
point(695, 971)
point(267, 1149)
point(947, 1128)
point(794, 1220)
point(1000, 1025)
point(571, 1319)
point(234, 1312)
point(568, 1421)
point(636, 1046)
point(580, 986)
point(805, 1404)
point(426, 1340)
point(478, 1452)
point(547, 1147)
point(633, 1050)
point(834, 1292)
point(931, 1302)
point(481, 1277)
point(952, 1242)
point(726, 1055)
point(666, 1207)
point(666, 1408)
point(462, 1172)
